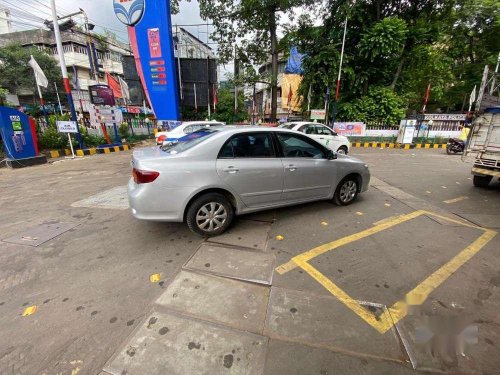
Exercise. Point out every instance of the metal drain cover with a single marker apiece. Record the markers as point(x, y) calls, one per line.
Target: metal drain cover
point(40, 234)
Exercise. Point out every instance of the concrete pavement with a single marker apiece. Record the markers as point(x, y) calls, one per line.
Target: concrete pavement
point(95, 301)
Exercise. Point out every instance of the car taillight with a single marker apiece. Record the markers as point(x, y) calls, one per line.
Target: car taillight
point(144, 177)
point(162, 138)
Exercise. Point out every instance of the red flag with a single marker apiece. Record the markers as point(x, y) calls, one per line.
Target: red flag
point(290, 94)
point(114, 85)
point(426, 98)
point(216, 99)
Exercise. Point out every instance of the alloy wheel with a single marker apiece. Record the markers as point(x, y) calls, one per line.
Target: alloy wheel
point(348, 191)
point(211, 217)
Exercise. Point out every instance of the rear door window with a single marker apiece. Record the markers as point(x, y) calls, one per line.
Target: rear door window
point(248, 145)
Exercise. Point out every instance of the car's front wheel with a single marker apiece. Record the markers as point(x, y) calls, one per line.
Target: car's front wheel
point(481, 181)
point(210, 214)
point(342, 150)
point(346, 191)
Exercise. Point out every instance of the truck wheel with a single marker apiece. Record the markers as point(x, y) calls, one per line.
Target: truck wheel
point(481, 181)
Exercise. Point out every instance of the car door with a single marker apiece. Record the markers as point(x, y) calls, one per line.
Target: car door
point(309, 174)
point(249, 165)
point(327, 137)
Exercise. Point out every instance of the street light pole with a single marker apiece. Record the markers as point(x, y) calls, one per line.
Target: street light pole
point(64, 71)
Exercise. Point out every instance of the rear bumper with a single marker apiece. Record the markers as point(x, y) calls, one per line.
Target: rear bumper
point(155, 203)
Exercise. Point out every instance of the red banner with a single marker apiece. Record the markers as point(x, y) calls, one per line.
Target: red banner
point(114, 85)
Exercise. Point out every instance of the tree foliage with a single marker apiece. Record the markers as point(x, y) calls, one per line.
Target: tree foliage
point(401, 47)
point(224, 110)
point(16, 74)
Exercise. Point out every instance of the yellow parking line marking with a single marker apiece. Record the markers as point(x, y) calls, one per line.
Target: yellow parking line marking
point(279, 237)
point(29, 310)
point(416, 296)
point(308, 255)
point(359, 213)
point(458, 199)
point(285, 267)
point(387, 204)
point(420, 293)
point(324, 223)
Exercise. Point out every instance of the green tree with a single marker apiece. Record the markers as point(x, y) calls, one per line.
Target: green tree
point(17, 75)
point(224, 110)
point(253, 26)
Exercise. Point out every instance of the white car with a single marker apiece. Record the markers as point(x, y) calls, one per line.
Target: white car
point(322, 134)
point(183, 129)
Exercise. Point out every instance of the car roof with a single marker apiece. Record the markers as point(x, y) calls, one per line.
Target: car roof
point(303, 123)
point(201, 122)
point(234, 129)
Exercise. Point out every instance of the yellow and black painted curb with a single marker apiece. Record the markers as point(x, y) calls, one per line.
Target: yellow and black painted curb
point(87, 151)
point(397, 145)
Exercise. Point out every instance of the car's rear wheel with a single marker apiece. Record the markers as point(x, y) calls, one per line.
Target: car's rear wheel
point(346, 191)
point(210, 214)
point(481, 181)
point(342, 150)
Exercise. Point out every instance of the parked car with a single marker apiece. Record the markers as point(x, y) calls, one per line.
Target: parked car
point(183, 129)
point(322, 133)
point(209, 176)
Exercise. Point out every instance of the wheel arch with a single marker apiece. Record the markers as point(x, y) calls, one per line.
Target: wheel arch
point(357, 176)
point(230, 197)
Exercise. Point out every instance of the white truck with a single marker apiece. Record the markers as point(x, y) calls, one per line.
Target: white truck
point(484, 146)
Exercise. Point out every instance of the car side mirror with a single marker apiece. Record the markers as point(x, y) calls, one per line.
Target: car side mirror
point(335, 134)
point(331, 155)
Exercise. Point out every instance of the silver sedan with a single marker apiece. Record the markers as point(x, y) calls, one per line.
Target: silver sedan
point(209, 176)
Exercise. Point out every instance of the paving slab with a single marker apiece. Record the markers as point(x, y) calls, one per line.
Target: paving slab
point(245, 233)
point(115, 198)
point(326, 322)
point(176, 345)
point(233, 262)
point(235, 303)
point(40, 234)
point(310, 360)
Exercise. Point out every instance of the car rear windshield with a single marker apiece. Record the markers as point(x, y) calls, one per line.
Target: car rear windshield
point(188, 141)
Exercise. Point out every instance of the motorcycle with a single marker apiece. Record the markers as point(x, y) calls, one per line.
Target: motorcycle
point(454, 146)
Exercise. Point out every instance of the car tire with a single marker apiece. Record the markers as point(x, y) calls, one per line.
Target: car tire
point(218, 211)
point(346, 192)
point(481, 181)
point(342, 150)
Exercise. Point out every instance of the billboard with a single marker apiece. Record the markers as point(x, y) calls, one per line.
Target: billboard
point(101, 95)
point(152, 45)
point(356, 129)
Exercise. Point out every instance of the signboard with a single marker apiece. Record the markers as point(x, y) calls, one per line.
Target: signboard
point(318, 114)
point(152, 44)
point(108, 116)
point(444, 117)
point(16, 123)
point(129, 12)
point(67, 127)
point(350, 128)
point(406, 131)
point(101, 95)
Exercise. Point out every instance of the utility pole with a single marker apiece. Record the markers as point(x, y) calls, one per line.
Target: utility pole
point(64, 71)
point(337, 90)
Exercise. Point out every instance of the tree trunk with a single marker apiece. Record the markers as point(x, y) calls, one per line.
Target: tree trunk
point(274, 65)
point(398, 73)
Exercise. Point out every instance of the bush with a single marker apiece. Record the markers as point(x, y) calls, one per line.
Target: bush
point(51, 139)
point(123, 130)
point(380, 105)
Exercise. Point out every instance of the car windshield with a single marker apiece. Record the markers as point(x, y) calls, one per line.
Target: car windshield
point(288, 125)
point(188, 141)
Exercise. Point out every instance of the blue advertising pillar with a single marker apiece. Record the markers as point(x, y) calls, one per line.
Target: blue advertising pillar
point(150, 34)
point(18, 135)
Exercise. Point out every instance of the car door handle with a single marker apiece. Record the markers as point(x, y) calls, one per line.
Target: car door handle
point(291, 167)
point(321, 138)
point(231, 170)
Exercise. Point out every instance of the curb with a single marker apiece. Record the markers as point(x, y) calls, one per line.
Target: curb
point(397, 145)
point(87, 151)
